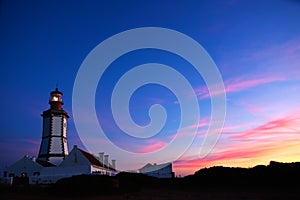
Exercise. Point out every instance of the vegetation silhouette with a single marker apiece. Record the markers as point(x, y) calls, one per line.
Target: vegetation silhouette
point(276, 180)
point(275, 174)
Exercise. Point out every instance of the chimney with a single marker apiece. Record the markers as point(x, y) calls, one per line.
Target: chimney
point(106, 161)
point(113, 163)
point(101, 154)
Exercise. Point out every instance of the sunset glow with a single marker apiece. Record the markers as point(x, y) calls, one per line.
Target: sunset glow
point(255, 46)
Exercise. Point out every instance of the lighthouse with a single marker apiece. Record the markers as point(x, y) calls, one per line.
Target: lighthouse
point(54, 145)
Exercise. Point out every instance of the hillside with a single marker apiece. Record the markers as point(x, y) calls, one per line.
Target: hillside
point(274, 181)
point(274, 174)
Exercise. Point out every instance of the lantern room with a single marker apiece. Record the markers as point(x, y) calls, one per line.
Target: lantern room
point(55, 99)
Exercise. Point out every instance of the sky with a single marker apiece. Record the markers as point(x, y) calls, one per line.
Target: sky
point(254, 44)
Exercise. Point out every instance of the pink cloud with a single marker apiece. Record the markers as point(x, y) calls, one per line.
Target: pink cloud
point(236, 85)
point(153, 146)
point(239, 84)
point(21, 147)
point(221, 157)
point(283, 52)
point(188, 130)
point(234, 128)
point(232, 158)
point(254, 109)
point(243, 155)
point(276, 139)
point(31, 141)
point(285, 126)
point(202, 123)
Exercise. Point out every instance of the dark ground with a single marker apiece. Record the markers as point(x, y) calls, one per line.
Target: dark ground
point(165, 193)
point(275, 181)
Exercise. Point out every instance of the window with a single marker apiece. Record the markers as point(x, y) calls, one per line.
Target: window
point(36, 173)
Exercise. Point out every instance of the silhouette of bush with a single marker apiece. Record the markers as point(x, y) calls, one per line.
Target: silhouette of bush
point(276, 174)
point(133, 182)
point(20, 180)
point(87, 184)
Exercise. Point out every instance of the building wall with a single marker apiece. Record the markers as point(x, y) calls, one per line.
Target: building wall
point(74, 164)
point(50, 175)
point(102, 171)
point(164, 172)
point(23, 167)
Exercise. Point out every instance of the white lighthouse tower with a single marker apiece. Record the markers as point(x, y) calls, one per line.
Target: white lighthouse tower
point(54, 145)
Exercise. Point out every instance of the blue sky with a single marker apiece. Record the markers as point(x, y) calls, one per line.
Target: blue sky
point(255, 45)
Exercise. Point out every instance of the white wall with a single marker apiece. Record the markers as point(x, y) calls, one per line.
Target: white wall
point(52, 174)
point(24, 165)
point(75, 158)
point(164, 172)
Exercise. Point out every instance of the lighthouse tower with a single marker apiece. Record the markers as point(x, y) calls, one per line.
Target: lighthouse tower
point(54, 145)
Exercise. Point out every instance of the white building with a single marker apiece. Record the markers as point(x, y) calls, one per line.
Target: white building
point(164, 170)
point(24, 167)
point(54, 161)
point(78, 162)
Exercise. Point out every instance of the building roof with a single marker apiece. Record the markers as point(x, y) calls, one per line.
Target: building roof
point(56, 92)
point(45, 163)
point(24, 164)
point(94, 161)
point(91, 158)
point(153, 167)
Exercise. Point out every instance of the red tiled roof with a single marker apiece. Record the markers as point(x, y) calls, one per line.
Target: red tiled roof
point(93, 160)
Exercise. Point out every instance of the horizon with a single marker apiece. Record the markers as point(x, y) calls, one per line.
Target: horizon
point(255, 46)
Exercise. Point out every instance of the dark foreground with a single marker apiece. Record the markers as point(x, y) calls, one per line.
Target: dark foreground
point(161, 193)
point(275, 181)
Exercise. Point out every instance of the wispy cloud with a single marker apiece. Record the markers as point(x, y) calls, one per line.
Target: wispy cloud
point(237, 85)
point(278, 62)
point(254, 108)
point(152, 146)
point(285, 127)
point(289, 50)
point(240, 84)
point(31, 141)
point(278, 139)
point(21, 147)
